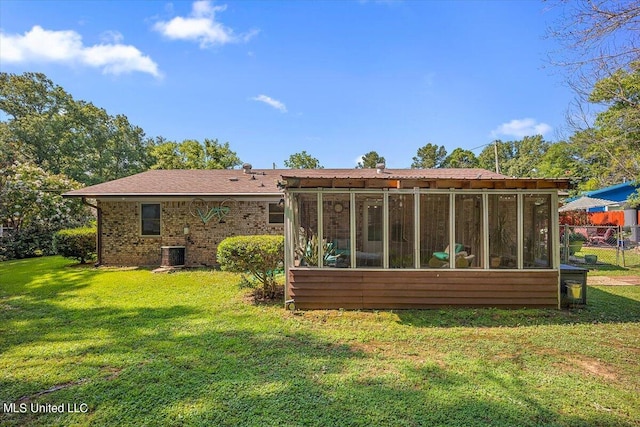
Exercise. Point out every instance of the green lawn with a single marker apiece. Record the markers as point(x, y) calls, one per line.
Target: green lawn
point(190, 349)
point(608, 264)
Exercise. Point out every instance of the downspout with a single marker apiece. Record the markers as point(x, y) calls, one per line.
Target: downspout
point(99, 232)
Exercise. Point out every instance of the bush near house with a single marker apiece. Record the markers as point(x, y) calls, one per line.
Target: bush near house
point(259, 255)
point(34, 240)
point(76, 243)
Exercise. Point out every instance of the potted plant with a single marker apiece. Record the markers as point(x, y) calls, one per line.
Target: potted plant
point(307, 249)
point(576, 240)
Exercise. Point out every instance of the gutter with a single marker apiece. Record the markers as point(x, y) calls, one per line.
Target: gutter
point(99, 232)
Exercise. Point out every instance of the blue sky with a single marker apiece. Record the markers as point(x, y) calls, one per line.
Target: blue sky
point(334, 78)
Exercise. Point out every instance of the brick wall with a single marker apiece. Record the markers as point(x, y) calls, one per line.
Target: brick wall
point(123, 245)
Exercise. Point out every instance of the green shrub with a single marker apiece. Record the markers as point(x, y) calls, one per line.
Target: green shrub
point(76, 243)
point(259, 255)
point(28, 242)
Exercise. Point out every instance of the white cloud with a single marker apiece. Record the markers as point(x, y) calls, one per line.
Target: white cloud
point(111, 37)
point(66, 47)
point(520, 128)
point(271, 102)
point(201, 26)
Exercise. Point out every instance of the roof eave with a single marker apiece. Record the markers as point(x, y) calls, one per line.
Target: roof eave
point(426, 183)
point(120, 195)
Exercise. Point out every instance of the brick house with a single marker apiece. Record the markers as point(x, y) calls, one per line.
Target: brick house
point(354, 238)
point(195, 209)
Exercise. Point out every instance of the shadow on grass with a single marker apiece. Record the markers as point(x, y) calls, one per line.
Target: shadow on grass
point(43, 278)
point(604, 305)
point(240, 377)
point(182, 365)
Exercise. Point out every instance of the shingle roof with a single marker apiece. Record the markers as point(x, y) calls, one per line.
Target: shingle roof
point(221, 182)
point(178, 182)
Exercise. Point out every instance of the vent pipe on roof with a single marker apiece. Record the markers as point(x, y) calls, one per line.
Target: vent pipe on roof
point(247, 167)
point(380, 167)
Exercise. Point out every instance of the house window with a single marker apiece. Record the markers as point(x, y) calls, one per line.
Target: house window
point(150, 219)
point(276, 213)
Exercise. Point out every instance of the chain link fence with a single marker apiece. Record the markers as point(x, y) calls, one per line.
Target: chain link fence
point(600, 245)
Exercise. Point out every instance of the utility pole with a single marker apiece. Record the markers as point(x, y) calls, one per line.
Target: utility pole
point(495, 151)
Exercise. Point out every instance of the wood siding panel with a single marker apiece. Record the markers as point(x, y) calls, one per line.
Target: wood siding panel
point(404, 289)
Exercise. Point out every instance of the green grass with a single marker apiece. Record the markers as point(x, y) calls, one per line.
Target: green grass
point(608, 263)
point(190, 349)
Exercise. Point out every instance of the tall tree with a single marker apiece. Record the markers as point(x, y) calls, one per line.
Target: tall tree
point(9, 152)
point(596, 37)
point(460, 158)
point(219, 156)
point(165, 154)
point(191, 154)
point(487, 157)
point(612, 146)
point(600, 50)
point(527, 154)
point(563, 160)
point(370, 160)
point(47, 127)
point(429, 156)
point(515, 158)
point(36, 110)
point(302, 160)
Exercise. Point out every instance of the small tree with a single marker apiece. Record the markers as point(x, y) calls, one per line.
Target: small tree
point(460, 158)
point(31, 203)
point(302, 160)
point(429, 156)
point(370, 160)
point(76, 243)
point(259, 255)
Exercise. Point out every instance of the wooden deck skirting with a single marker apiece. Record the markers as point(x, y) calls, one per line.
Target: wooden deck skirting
point(406, 289)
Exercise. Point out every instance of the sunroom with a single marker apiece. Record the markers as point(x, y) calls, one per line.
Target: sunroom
point(367, 239)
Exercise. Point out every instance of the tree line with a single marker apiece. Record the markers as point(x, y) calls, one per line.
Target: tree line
point(44, 126)
point(51, 142)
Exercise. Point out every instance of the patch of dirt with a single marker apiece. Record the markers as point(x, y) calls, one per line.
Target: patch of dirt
point(593, 367)
point(633, 280)
point(255, 297)
point(57, 387)
point(113, 373)
point(7, 307)
point(167, 270)
point(614, 280)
